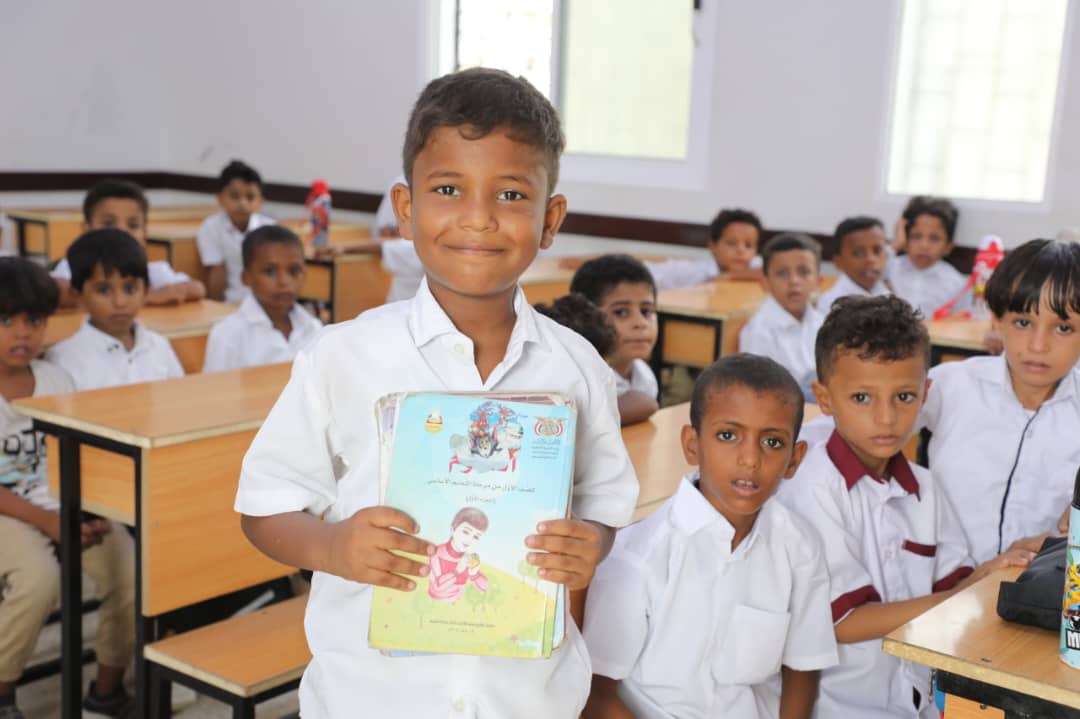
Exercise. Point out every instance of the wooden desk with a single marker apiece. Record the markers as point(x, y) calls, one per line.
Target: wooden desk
point(186, 326)
point(48, 232)
point(163, 457)
point(956, 339)
point(545, 280)
point(700, 324)
point(987, 660)
point(655, 449)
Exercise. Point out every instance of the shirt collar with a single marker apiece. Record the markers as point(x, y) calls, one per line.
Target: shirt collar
point(106, 343)
point(428, 321)
point(995, 370)
point(692, 513)
point(252, 312)
point(775, 314)
point(852, 469)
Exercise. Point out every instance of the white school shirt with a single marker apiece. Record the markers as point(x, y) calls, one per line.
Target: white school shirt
point(95, 359)
point(694, 630)
point(160, 272)
point(845, 286)
point(641, 379)
point(927, 289)
point(220, 243)
point(676, 273)
point(247, 338)
point(22, 461)
point(318, 451)
point(884, 541)
point(774, 332)
point(400, 259)
point(980, 431)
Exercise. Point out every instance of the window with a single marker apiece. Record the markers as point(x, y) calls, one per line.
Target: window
point(620, 71)
point(975, 96)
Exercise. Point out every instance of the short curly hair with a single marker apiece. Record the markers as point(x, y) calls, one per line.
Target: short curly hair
point(26, 288)
point(600, 275)
point(729, 217)
point(938, 207)
point(886, 329)
point(579, 314)
point(1037, 266)
point(478, 100)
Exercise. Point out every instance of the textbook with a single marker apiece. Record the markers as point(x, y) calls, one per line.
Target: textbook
point(477, 472)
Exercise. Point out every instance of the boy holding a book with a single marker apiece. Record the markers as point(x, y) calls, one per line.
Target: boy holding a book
point(481, 156)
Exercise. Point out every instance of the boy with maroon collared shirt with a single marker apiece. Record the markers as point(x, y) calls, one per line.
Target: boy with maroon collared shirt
point(893, 543)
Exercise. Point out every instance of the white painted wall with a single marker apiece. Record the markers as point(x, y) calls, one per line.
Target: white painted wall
point(800, 99)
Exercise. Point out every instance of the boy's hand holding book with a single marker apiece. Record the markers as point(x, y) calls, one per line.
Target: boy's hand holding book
point(572, 549)
point(360, 549)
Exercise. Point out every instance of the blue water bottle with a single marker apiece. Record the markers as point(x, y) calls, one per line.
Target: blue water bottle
point(1070, 610)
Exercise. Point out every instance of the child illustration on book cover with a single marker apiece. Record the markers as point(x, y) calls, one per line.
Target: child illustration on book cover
point(453, 566)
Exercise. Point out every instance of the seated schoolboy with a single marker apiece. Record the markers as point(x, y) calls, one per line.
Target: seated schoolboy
point(109, 276)
point(733, 245)
point(269, 326)
point(922, 276)
point(621, 286)
point(717, 604)
point(30, 517)
point(893, 542)
point(1004, 444)
point(222, 234)
point(859, 253)
point(481, 156)
point(785, 326)
point(123, 205)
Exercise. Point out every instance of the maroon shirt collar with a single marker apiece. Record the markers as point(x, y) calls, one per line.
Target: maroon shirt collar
point(852, 469)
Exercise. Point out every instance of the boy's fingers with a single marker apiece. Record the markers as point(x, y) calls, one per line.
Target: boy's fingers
point(560, 562)
point(557, 544)
point(386, 579)
point(388, 562)
point(390, 517)
point(391, 539)
point(567, 528)
point(573, 580)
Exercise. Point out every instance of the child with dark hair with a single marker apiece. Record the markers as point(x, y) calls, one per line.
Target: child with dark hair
point(30, 517)
point(221, 235)
point(733, 244)
point(622, 287)
point(1004, 428)
point(481, 154)
point(860, 252)
point(109, 276)
point(746, 569)
point(269, 326)
point(122, 205)
point(786, 324)
point(922, 276)
point(893, 543)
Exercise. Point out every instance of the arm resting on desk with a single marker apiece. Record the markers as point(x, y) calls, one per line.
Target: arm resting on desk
point(215, 282)
point(635, 406)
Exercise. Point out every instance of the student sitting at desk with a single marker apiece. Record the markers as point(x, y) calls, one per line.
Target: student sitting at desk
point(785, 326)
point(860, 253)
point(108, 273)
point(623, 289)
point(717, 605)
point(222, 234)
point(30, 517)
point(270, 326)
point(922, 276)
point(1004, 444)
point(123, 205)
point(733, 243)
point(893, 542)
point(482, 156)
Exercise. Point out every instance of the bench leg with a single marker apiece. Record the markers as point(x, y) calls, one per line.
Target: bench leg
point(243, 708)
point(160, 692)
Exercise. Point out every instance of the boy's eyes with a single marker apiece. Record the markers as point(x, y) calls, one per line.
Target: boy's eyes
point(774, 443)
point(726, 435)
point(510, 195)
point(1022, 322)
point(447, 190)
point(1065, 329)
point(907, 397)
point(860, 398)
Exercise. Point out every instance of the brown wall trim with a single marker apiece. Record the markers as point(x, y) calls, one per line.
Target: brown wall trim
point(581, 223)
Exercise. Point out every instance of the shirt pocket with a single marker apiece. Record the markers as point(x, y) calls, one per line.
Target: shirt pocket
point(753, 648)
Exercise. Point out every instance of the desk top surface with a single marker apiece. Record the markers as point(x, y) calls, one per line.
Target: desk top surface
point(961, 334)
point(163, 212)
point(964, 635)
point(181, 228)
point(188, 319)
point(719, 299)
point(159, 414)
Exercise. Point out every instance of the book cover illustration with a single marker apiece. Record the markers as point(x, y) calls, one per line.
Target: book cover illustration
point(477, 473)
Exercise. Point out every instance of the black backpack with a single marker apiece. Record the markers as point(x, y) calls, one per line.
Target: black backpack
point(1035, 598)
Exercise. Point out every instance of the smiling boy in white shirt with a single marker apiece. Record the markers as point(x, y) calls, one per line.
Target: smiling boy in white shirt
point(481, 155)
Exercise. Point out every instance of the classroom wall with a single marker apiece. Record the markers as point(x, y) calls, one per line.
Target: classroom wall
point(799, 104)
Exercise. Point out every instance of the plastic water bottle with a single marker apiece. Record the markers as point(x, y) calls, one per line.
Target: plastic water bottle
point(318, 206)
point(1070, 610)
point(990, 254)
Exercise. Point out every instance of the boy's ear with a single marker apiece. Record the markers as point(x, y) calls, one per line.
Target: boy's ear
point(689, 440)
point(401, 201)
point(797, 454)
point(821, 394)
point(554, 214)
point(84, 227)
point(245, 278)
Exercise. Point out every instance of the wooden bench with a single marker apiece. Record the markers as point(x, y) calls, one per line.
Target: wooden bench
point(240, 661)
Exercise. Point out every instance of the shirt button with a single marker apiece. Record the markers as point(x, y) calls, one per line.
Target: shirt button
point(459, 705)
point(459, 348)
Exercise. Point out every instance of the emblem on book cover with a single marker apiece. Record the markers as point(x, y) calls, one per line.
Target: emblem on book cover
point(492, 442)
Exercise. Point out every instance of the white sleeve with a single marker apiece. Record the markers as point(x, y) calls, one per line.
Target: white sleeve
point(953, 560)
point(605, 486)
point(930, 414)
point(289, 465)
point(754, 341)
point(811, 639)
point(62, 271)
point(617, 623)
point(174, 368)
point(217, 350)
point(208, 243)
point(162, 275)
point(673, 274)
point(756, 263)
